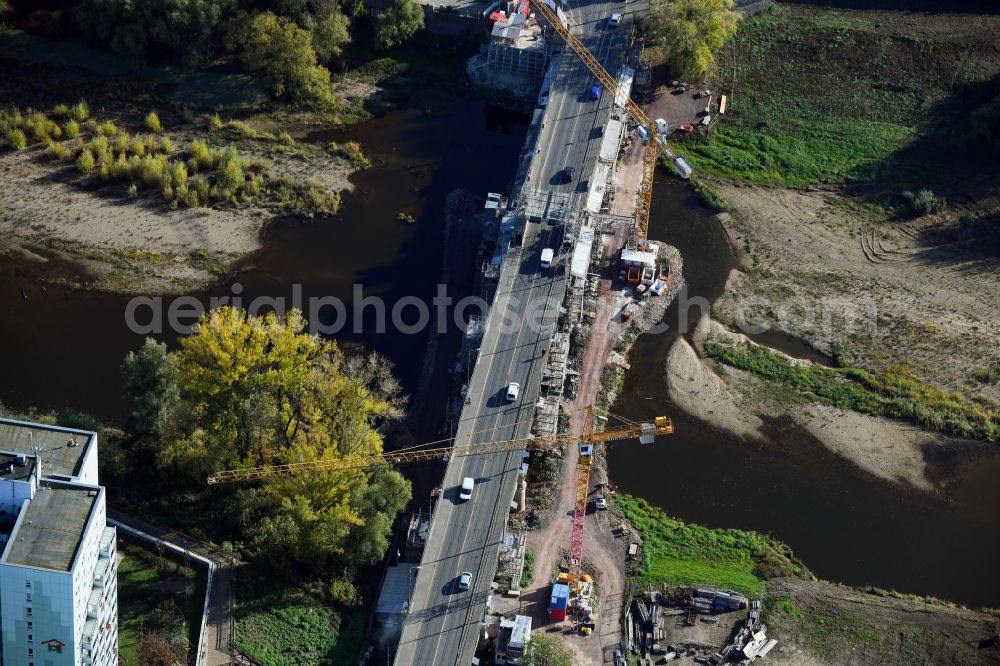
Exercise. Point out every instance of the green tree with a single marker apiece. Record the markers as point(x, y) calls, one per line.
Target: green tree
point(546, 650)
point(134, 29)
point(329, 36)
point(149, 382)
point(282, 52)
point(261, 391)
point(398, 23)
point(377, 503)
point(692, 30)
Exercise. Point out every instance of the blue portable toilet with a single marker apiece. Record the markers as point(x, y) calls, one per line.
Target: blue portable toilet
point(559, 602)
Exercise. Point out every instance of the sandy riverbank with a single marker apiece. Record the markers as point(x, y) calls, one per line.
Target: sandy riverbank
point(920, 292)
point(129, 244)
point(735, 401)
point(824, 273)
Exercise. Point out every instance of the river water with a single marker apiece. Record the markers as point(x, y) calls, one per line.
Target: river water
point(845, 524)
point(62, 348)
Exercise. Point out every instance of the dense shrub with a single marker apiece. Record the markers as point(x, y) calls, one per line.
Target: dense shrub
point(85, 163)
point(201, 155)
point(80, 111)
point(153, 121)
point(41, 128)
point(923, 202)
point(71, 130)
point(57, 151)
point(138, 146)
point(107, 128)
point(17, 139)
point(351, 151)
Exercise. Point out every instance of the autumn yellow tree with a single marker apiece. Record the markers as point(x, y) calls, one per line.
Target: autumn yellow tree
point(260, 391)
point(692, 31)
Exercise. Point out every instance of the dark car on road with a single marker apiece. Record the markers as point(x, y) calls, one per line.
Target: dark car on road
point(568, 174)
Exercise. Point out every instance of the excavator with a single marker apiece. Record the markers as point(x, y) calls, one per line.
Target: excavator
point(657, 142)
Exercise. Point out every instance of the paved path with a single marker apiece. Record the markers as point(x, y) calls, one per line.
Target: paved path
point(220, 616)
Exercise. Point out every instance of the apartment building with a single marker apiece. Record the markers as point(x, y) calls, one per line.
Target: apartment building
point(58, 568)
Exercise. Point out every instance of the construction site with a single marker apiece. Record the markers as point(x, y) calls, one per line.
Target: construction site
point(617, 284)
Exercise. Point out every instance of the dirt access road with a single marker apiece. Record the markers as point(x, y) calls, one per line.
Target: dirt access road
point(601, 551)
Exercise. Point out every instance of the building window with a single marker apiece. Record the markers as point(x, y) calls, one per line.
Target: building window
point(31, 638)
point(30, 624)
point(31, 652)
point(27, 584)
point(28, 611)
point(27, 597)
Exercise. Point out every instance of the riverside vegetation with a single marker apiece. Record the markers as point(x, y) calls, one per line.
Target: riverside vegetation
point(811, 619)
point(287, 72)
point(194, 176)
point(896, 392)
point(824, 97)
point(243, 391)
point(839, 121)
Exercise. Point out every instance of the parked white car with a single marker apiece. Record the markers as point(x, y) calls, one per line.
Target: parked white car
point(513, 390)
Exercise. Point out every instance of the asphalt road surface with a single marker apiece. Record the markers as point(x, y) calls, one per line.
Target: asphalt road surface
point(442, 628)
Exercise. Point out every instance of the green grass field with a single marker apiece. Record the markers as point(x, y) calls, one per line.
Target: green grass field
point(168, 599)
point(677, 552)
point(281, 626)
point(822, 96)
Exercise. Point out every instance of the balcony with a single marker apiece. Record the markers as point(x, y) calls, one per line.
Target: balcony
point(89, 631)
point(94, 603)
point(101, 572)
point(107, 544)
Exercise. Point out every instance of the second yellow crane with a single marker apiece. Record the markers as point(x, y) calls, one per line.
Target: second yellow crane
point(657, 143)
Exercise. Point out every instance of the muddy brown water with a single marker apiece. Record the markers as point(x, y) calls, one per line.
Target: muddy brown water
point(846, 525)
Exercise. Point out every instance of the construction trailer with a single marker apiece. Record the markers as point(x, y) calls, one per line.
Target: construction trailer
point(513, 640)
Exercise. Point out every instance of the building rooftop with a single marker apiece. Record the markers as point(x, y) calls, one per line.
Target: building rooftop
point(50, 529)
point(59, 454)
point(10, 468)
point(395, 596)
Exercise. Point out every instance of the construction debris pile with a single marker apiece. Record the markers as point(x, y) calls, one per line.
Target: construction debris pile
point(648, 626)
point(654, 279)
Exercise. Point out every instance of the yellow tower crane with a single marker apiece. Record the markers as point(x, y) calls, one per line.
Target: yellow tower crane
point(645, 431)
point(657, 142)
